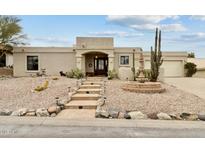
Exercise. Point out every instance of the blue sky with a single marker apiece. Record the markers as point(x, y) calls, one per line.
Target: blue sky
point(179, 33)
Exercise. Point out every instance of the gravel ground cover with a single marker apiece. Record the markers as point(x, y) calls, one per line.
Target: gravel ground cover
point(16, 93)
point(171, 101)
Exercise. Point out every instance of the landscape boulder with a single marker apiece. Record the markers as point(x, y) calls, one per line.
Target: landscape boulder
point(113, 114)
point(152, 115)
point(54, 109)
point(137, 115)
point(175, 116)
point(101, 114)
point(201, 116)
point(53, 114)
point(163, 116)
point(42, 112)
point(61, 102)
point(20, 112)
point(121, 115)
point(127, 116)
point(189, 116)
point(5, 112)
point(32, 113)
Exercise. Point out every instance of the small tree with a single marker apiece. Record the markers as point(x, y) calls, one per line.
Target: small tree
point(10, 34)
point(156, 57)
point(191, 55)
point(191, 69)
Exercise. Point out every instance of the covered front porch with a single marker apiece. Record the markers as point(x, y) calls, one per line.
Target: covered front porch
point(95, 63)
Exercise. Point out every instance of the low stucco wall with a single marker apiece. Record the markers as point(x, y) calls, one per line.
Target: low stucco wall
point(199, 74)
point(53, 63)
point(6, 71)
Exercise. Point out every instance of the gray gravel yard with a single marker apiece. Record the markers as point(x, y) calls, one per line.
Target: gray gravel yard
point(16, 93)
point(171, 101)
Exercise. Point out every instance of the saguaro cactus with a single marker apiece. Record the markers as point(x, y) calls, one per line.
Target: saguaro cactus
point(156, 57)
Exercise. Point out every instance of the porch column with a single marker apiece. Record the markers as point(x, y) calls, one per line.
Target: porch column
point(110, 62)
point(79, 62)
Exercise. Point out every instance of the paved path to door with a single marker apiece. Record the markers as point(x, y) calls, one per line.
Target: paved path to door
point(195, 86)
point(83, 104)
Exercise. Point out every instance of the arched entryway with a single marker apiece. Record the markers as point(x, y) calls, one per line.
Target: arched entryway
point(96, 64)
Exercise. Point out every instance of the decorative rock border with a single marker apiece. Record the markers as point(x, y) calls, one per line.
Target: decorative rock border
point(137, 115)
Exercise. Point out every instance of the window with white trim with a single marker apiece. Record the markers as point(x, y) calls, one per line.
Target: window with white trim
point(124, 60)
point(32, 63)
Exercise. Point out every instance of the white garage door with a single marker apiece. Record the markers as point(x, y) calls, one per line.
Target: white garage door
point(173, 68)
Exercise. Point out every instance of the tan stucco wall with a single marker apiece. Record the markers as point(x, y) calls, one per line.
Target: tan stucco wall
point(53, 62)
point(125, 71)
point(94, 43)
point(9, 59)
point(199, 74)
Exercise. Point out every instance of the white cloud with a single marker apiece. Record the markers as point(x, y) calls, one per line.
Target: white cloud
point(193, 37)
point(51, 41)
point(198, 17)
point(116, 33)
point(189, 38)
point(172, 27)
point(141, 22)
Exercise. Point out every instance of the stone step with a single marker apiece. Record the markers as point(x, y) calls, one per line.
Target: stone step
point(90, 86)
point(89, 91)
point(95, 78)
point(81, 104)
point(85, 97)
point(77, 114)
point(92, 83)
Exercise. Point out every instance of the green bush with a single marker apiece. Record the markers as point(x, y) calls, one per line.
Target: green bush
point(191, 55)
point(191, 69)
point(112, 74)
point(75, 73)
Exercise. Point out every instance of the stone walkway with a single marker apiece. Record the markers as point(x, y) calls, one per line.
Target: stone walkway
point(84, 103)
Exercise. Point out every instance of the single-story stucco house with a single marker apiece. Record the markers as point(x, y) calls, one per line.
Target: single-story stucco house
point(92, 55)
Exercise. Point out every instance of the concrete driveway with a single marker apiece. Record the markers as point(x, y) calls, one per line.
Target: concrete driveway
point(195, 86)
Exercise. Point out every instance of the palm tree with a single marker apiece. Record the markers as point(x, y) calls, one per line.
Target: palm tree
point(10, 34)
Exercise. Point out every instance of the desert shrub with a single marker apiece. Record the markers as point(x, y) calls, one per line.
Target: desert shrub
point(70, 74)
point(112, 74)
point(75, 73)
point(41, 88)
point(190, 69)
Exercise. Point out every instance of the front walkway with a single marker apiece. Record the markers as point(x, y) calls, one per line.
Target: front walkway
point(195, 86)
point(84, 103)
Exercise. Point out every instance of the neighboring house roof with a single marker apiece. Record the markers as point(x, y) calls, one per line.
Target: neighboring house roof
point(200, 62)
point(169, 53)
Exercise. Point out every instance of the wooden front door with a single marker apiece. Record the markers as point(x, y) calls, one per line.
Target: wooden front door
point(101, 66)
